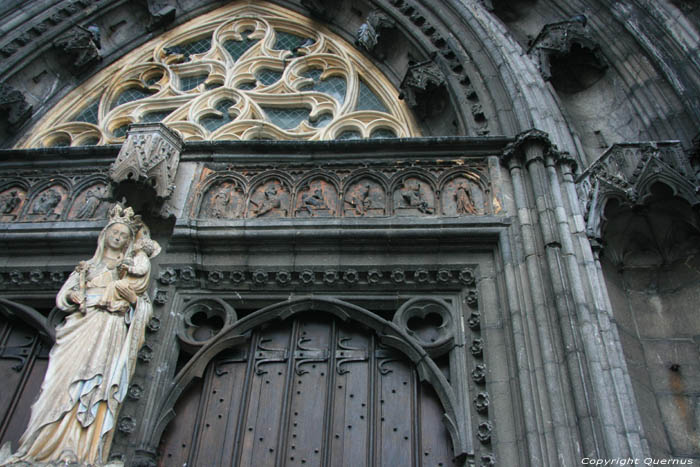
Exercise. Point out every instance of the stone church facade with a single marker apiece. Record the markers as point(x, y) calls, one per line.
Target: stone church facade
point(394, 232)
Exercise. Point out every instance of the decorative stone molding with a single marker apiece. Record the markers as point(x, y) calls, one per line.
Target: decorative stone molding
point(627, 171)
point(237, 278)
point(368, 34)
point(81, 45)
point(567, 55)
point(13, 107)
point(149, 158)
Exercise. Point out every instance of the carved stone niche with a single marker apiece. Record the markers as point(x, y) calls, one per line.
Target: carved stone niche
point(11, 202)
point(81, 46)
point(462, 197)
point(365, 198)
point(317, 198)
point(368, 34)
point(14, 109)
point(269, 199)
point(568, 56)
point(91, 203)
point(414, 197)
point(424, 88)
point(48, 204)
point(144, 171)
point(223, 200)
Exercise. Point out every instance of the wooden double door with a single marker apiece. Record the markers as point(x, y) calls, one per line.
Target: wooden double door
point(313, 391)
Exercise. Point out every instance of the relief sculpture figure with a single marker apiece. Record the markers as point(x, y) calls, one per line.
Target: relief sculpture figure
point(413, 197)
point(270, 201)
point(464, 201)
point(9, 202)
point(90, 365)
point(93, 199)
point(360, 202)
point(46, 203)
point(313, 201)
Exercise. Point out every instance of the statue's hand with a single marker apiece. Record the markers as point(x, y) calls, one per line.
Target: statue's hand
point(76, 297)
point(126, 292)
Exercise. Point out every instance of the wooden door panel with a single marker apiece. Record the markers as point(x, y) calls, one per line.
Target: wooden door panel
point(309, 392)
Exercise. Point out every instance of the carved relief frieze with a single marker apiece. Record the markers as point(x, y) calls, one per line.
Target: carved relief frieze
point(269, 199)
point(317, 198)
point(48, 204)
point(365, 197)
point(414, 196)
point(28, 197)
point(424, 190)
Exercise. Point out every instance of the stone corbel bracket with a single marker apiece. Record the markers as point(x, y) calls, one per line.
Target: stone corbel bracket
point(422, 80)
point(82, 46)
point(556, 40)
point(13, 107)
point(367, 35)
point(148, 161)
point(627, 171)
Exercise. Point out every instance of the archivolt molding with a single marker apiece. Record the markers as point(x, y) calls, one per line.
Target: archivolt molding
point(246, 71)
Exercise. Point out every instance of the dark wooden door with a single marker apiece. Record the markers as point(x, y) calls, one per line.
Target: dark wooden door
point(308, 392)
point(23, 362)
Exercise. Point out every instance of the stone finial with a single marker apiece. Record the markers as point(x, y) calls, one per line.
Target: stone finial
point(367, 35)
point(149, 159)
point(13, 107)
point(82, 46)
point(421, 81)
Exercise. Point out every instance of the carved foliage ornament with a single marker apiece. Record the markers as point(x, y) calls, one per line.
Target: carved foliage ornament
point(245, 71)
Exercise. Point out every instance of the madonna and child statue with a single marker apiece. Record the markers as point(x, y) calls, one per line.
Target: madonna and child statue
point(93, 359)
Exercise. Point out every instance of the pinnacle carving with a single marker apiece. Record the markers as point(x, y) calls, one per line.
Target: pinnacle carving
point(81, 45)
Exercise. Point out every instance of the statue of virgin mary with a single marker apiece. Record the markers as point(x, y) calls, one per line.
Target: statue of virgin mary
point(90, 365)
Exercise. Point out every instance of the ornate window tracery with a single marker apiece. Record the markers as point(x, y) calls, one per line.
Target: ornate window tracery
point(245, 71)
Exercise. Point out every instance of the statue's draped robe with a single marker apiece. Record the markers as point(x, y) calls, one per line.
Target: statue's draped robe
point(88, 373)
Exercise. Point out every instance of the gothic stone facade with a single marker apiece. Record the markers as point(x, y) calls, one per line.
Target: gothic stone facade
point(512, 282)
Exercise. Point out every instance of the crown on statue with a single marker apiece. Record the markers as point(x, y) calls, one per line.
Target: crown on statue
point(119, 214)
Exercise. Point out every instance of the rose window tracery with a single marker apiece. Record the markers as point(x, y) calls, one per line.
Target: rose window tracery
point(239, 73)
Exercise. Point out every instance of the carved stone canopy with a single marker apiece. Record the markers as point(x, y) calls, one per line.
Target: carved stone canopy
point(81, 45)
point(627, 171)
point(422, 81)
point(147, 161)
point(567, 55)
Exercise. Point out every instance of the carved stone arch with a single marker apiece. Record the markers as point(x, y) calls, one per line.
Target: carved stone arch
point(90, 199)
point(680, 186)
point(464, 192)
point(389, 334)
point(317, 194)
point(28, 315)
point(219, 197)
point(270, 194)
point(414, 193)
point(366, 193)
point(56, 193)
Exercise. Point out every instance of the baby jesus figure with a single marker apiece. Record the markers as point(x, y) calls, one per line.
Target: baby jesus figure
point(121, 294)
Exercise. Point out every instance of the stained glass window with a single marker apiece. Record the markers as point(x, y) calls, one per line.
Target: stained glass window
point(89, 114)
point(368, 100)
point(214, 122)
point(286, 118)
point(350, 134)
point(192, 76)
